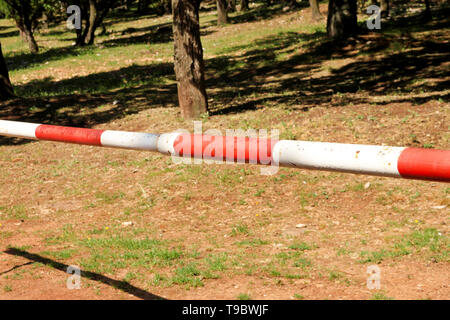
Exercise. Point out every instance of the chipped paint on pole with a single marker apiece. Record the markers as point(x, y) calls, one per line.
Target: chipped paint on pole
point(401, 162)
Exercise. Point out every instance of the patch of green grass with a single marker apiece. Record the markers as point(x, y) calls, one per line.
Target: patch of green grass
point(119, 252)
point(380, 296)
point(7, 288)
point(428, 239)
point(301, 246)
point(19, 212)
point(67, 235)
point(61, 255)
point(298, 296)
point(302, 263)
point(239, 229)
point(244, 296)
point(129, 277)
point(188, 275)
point(252, 243)
point(217, 262)
point(109, 198)
point(335, 275)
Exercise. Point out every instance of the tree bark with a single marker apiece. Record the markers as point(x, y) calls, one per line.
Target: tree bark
point(27, 34)
point(188, 58)
point(222, 11)
point(244, 5)
point(292, 4)
point(167, 6)
point(341, 21)
point(93, 18)
point(231, 6)
point(315, 12)
point(6, 89)
point(384, 6)
point(427, 14)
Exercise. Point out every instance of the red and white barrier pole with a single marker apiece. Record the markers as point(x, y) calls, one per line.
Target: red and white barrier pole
point(412, 163)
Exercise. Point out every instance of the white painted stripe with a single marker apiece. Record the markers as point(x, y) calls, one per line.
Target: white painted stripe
point(129, 140)
point(355, 158)
point(18, 129)
point(166, 141)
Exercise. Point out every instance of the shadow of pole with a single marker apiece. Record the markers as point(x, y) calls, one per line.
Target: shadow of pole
point(121, 285)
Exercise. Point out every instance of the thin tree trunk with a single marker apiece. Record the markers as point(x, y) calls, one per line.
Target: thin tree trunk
point(167, 6)
point(341, 21)
point(27, 35)
point(292, 4)
point(222, 11)
point(231, 6)
point(244, 5)
point(427, 14)
point(188, 58)
point(93, 17)
point(6, 89)
point(315, 12)
point(384, 5)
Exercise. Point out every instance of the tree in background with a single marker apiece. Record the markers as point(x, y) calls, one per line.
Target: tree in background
point(26, 14)
point(315, 12)
point(427, 14)
point(231, 6)
point(93, 12)
point(292, 4)
point(342, 20)
point(222, 11)
point(6, 89)
point(384, 6)
point(188, 58)
point(244, 5)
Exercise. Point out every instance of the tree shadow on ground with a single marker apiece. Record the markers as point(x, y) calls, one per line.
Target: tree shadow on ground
point(101, 97)
point(14, 33)
point(297, 70)
point(117, 284)
point(160, 33)
point(316, 69)
point(264, 12)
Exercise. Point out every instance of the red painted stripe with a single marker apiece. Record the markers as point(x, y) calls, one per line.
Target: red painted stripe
point(69, 134)
point(236, 149)
point(425, 164)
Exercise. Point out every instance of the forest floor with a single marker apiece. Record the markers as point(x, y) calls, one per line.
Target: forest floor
point(141, 227)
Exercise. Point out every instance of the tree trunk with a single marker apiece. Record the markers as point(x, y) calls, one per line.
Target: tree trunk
point(6, 89)
point(244, 5)
point(231, 6)
point(315, 12)
point(341, 21)
point(427, 14)
point(384, 6)
point(188, 58)
point(222, 11)
point(167, 6)
point(27, 35)
point(93, 17)
point(142, 7)
point(292, 4)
